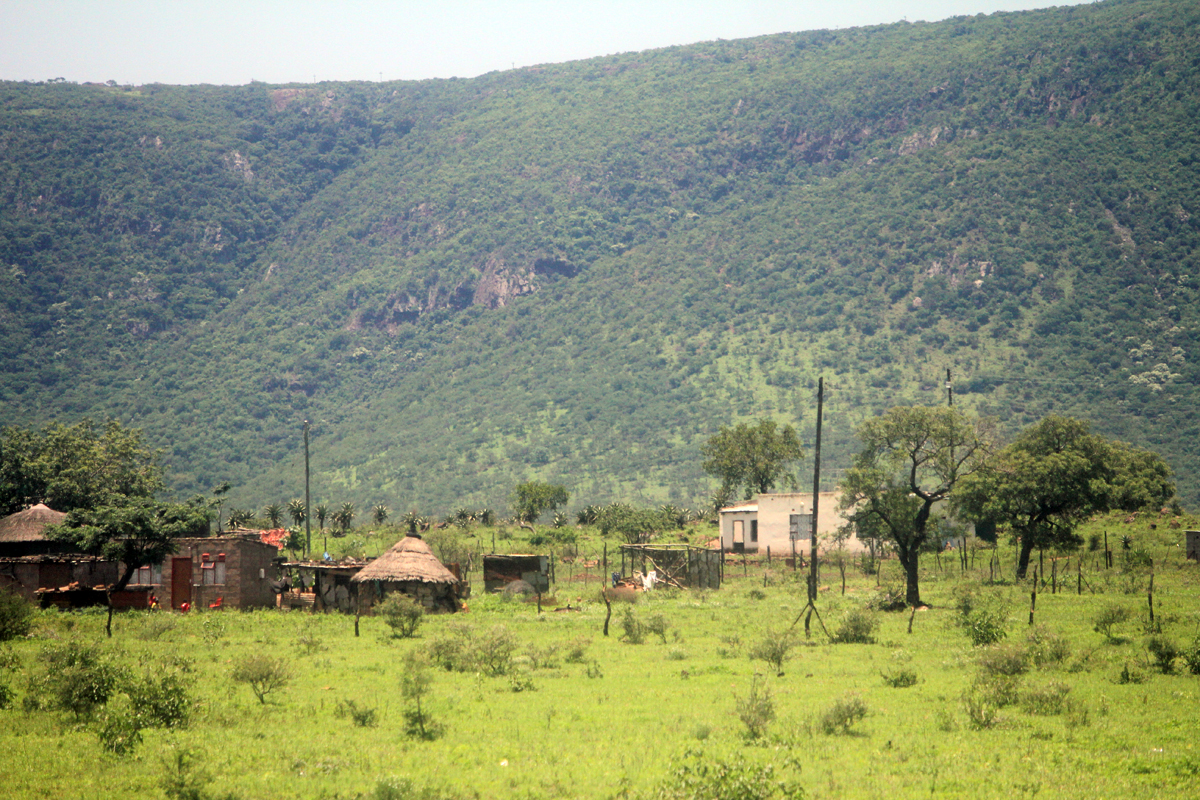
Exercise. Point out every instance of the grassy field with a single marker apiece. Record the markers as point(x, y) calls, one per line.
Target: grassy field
point(547, 706)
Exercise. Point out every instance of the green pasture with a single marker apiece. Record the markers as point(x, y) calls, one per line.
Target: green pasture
point(578, 714)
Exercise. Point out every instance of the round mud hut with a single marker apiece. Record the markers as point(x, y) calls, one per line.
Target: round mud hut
point(409, 566)
point(21, 533)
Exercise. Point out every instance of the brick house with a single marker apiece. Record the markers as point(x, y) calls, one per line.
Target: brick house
point(237, 570)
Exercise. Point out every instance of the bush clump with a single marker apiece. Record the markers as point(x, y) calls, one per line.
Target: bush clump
point(856, 627)
point(774, 648)
point(263, 674)
point(402, 614)
point(1108, 618)
point(843, 715)
point(756, 710)
point(76, 676)
point(16, 616)
point(1164, 652)
point(1045, 647)
point(465, 649)
point(700, 775)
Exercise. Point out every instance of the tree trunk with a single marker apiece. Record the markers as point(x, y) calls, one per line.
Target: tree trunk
point(1024, 556)
point(909, 562)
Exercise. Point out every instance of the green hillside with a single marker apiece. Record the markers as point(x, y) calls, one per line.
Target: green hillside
point(578, 272)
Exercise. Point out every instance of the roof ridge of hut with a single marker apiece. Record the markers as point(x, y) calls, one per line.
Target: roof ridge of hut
point(410, 559)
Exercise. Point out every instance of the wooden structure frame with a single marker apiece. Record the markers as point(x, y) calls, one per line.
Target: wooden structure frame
point(683, 565)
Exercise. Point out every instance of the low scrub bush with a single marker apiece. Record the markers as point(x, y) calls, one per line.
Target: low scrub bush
point(1191, 657)
point(76, 676)
point(1127, 675)
point(120, 733)
point(1048, 699)
point(900, 678)
point(1045, 647)
point(263, 673)
point(888, 598)
point(1003, 690)
point(1108, 618)
point(363, 716)
point(1163, 652)
point(16, 615)
point(401, 613)
point(1000, 659)
point(657, 625)
point(632, 629)
point(159, 702)
point(756, 710)
point(155, 626)
point(857, 626)
point(465, 649)
point(577, 650)
point(774, 648)
point(843, 715)
point(415, 681)
point(982, 711)
point(699, 775)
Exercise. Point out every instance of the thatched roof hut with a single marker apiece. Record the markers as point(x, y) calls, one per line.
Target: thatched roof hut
point(21, 533)
point(409, 566)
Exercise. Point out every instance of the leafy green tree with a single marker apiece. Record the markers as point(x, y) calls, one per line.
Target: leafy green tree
point(1054, 476)
point(755, 457)
point(912, 458)
point(136, 533)
point(531, 499)
point(76, 466)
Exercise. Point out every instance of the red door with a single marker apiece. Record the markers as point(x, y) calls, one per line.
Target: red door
point(181, 582)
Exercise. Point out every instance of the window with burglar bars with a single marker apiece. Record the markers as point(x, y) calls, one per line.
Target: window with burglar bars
point(799, 526)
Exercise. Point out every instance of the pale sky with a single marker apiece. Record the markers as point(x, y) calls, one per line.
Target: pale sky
point(237, 41)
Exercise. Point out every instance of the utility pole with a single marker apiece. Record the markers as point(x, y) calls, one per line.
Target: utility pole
point(307, 514)
point(812, 577)
point(949, 390)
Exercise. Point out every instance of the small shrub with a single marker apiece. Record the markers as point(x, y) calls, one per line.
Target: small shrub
point(1004, 660)
point(1128, 675)
point(982, 711)
point(774, 648)
point(1108, 618)
point(842, 716)
point(263, 674)
point(756, 594)
point(1191, 657)
point(633, 631)
point(699, 775)
point(16, 615)
point(160, 702)
point(577, 650)
point(1047, 700)
point(414, 687)
point(888, 598)
point(212, 628)
point(1046, 647)
point(308, 643)
point(464, 649)
point(676, 654)
point(984, 622)
point(1164, 652)
point(75, 677)
point(521, 682)
point(657, 624)
point(120, 734)
point(856, 627)
point(156, 626)
point(1003, 690)
point(900, 678)
point(542, 657)
point(401, 613)
point(594, 670)
point(756, 710)
point(362, 716)
point(6, 695)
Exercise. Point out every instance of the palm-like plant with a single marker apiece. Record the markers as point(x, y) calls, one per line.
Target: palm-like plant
point(344, 516)
point(322, 514)
point(273, 513)
point(411, 520)
point(239, 517)
point(297, 511)
point(380, 514)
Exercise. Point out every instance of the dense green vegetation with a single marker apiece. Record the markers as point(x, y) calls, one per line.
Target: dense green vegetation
point(578, 273)
point(692, 694)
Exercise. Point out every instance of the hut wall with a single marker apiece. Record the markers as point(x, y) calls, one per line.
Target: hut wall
point(1193, 545)
point(434, 597)
point(26, 576)
point(249, 568)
